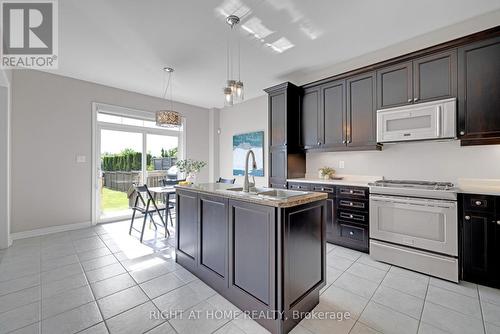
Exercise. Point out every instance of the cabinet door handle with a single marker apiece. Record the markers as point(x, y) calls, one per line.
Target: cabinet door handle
point(351, 233)
point(415, 99)
point(478, 203)
point(462, 133)
point(409, 100)
point(344, 141)
point(498, 222)
point(467, 217)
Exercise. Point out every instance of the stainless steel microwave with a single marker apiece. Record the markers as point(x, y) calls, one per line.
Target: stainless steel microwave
point(423, 121)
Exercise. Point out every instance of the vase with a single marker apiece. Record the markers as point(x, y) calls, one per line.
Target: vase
point(191, 177)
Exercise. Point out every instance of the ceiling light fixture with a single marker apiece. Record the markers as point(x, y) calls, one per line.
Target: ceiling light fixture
point(168, 118)
point(234, 90)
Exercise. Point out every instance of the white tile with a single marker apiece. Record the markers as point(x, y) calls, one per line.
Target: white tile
point(360, 328)
point(19, 317)
point(82, 234)
point(366, 259)
point(463, 288)
point(388, 321)
point(365, 271)
point(92, 254)
point(357, 285)
point(164, 328)
point(450, 320)
point(52, 288)
point(88, 244)
point(13, 271)
point(338, 262)
point(347, 253)
point(491, 329)
point(414, 287)
point(248, 325)
point(454, 301)
point(35, 328)
point(330, 247)
point(121, 301)
point(100, 328)
point(133, 321)
point(105, 272)
point(99, 262)
point(161, 285)
point(399, 301)
point(340, 300)
point(200, 325)
point(489, 295)
point(111, 285)
point(491, 313)
point(156, 269)
point(61, 272)
point(409, 274)
point(184, 297)
point(185, 275)
point(299, 329)
point(337, 326)
point(57, 262)
point(230, 328)
point(425, 328)
point(19, 298)
point(331, 275)
point(66, 301)
point(221, 303)
point(72, 321)
point(19, 284)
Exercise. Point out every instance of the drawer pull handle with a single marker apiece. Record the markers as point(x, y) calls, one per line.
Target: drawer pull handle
point(478, 203)
point(351, 216)
point(467, 217)
point(351, 191)
point(498, 222)
point(351, 203)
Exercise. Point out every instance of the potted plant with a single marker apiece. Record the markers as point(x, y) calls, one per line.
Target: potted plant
point(190, 168)
point(326, 173)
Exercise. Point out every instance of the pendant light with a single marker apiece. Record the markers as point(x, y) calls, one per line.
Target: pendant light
point(168, 118)
point(233, 92)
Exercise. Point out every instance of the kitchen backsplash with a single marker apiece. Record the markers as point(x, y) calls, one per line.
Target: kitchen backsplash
point(440, 161)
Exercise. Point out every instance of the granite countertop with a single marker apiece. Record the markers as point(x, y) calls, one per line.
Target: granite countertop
point(479, 186)
point(348, 180)
point(221, 189)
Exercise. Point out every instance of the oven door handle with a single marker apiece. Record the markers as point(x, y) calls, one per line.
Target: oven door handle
point(414, 202)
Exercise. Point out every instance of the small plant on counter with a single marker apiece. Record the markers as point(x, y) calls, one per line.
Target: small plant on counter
point(326, 172)
point(190, 168)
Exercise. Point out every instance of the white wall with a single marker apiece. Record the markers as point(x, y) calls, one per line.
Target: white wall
point(249, 116)
point(433, 161)
point(213, 133)
point(51, 124)
point(5, 80)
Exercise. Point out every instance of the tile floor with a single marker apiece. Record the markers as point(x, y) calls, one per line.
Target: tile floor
point(101, 280)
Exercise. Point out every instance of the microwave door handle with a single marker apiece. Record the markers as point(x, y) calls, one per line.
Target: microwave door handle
point(438, 121)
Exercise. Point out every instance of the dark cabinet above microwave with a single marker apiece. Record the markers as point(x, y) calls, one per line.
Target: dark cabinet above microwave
point(423, 79)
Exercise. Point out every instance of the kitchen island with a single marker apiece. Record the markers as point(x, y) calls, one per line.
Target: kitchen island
point(264, 251)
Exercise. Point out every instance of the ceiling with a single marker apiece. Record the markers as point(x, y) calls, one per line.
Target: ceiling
point(126, 43)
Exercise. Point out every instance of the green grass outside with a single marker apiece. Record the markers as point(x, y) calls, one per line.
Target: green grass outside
point(112, 200)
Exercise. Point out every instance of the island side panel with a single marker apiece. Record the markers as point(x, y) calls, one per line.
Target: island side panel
point(252, 260)
point(304, 258)
point(213, 241)
point(187, 229)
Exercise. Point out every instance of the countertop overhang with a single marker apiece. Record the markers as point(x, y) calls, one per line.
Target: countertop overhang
point(223, 190)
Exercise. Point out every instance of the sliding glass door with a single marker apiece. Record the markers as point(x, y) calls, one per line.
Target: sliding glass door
point(130, 151)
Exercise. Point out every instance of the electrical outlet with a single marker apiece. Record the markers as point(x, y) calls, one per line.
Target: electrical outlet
point(341, 164)
point(80, 159)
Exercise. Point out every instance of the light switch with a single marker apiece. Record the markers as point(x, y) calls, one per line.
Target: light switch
point(341, 164)
point(80, 159)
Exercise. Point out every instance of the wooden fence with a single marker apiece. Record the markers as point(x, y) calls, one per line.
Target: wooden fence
point(121, 181)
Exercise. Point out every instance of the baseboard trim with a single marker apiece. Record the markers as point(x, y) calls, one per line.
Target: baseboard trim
point(48, 230)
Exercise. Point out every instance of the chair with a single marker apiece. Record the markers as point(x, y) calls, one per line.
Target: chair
point(171, 199)
point(147, 206)
point(228, 181)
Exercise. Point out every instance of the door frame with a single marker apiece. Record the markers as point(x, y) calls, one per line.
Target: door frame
point(96, 143)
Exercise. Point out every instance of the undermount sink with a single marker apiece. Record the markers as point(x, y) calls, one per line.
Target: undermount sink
point(269, 193)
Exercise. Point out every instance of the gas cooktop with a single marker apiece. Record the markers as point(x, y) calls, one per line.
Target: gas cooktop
point(432, 185)
point(411, 188)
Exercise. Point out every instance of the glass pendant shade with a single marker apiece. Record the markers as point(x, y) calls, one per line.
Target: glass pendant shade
point(240, 91)
point(168, 119)
point(228, 94)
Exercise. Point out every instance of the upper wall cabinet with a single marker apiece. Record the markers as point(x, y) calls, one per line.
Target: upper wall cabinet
point(286, 157)
point(479, 92)
point(310, 118)
point(420, 80)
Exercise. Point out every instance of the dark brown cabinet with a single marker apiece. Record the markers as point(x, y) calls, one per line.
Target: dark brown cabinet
point(310, 117)
point(286, 156)
point(422, 79)
point(361, 111)
point(481, 239)
point(187, 233)
point(333, 119)
point(479, 92)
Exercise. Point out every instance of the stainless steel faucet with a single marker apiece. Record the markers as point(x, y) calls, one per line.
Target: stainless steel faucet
point(247, 184)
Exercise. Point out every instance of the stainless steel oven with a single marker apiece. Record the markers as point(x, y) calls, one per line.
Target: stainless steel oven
point(419, 233)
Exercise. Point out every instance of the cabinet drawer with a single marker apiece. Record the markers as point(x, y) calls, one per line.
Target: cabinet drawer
point(480, 203)
point(299, 186)
point(323, 188)
point(357, 217)
point(352, 204)
point(352, 192)
point(354, 233)
point(278, 185)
